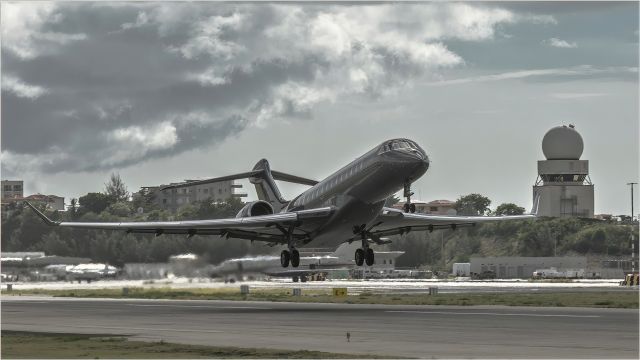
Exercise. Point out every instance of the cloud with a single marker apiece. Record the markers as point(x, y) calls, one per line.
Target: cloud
point(21, 89)
point(555, 42)
point(158, 79)
point(24, 32)
point(574, 71)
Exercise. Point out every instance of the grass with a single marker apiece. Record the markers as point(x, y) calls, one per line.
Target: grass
point(613, 299)
point(23, 345)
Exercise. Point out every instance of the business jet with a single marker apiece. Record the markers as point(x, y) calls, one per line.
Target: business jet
point(347, 206)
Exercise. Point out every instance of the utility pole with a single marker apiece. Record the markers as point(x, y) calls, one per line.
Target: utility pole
point(631, 184)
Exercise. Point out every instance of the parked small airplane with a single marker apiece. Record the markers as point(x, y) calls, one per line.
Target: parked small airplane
point(347, 206)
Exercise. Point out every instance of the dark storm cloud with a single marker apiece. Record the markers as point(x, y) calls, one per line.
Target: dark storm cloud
point(126, 79)
point(93, 86)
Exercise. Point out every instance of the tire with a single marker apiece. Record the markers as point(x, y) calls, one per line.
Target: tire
point(412, 208)
point(295, 258)
point(284, 258)
point(369, 257)
point(406, 208)
point(359, 257)
point(295, 279)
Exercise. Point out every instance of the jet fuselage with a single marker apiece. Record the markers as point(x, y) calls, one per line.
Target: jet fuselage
point(358, 190)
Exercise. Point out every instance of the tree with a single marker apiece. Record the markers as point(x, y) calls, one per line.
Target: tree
point(115, 189)
point(121, 209)
point(509, 209)
point(94, 202)
point(144, 199)
point(473, 204)
point(72, 209)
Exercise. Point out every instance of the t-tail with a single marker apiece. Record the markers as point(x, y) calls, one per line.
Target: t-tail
point(266, 187)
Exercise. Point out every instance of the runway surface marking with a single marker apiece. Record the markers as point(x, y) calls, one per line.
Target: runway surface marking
point(204, 306)
point(488, 313)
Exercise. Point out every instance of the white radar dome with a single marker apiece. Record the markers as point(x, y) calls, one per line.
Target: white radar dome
point(562, 143)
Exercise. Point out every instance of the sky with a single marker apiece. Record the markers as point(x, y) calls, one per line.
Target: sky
point(161, 92)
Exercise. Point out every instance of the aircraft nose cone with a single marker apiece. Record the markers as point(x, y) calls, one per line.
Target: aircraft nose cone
point(421, 162)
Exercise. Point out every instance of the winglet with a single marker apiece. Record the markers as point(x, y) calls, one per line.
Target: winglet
point(42, 216)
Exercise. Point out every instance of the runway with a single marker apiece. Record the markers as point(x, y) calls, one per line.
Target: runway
point(411, 331)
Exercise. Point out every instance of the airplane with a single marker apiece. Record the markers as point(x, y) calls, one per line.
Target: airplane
point(346, 206)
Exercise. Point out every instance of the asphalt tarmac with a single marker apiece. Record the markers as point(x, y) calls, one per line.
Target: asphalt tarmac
point(411, 331)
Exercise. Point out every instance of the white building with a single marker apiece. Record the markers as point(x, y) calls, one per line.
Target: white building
point(563, 183)
point(513, 267)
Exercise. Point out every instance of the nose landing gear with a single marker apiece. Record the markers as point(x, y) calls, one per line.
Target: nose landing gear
point(408, 206)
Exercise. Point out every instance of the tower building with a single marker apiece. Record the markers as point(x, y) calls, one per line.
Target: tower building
point(563, 183)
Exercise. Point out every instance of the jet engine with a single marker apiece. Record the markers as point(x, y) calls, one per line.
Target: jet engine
point(255, 208)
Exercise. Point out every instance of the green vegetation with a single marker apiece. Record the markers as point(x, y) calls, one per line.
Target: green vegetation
point(613, 299)
point(569, 237)
point(23, 345)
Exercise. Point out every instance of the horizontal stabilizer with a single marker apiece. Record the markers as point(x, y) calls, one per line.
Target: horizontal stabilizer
point(292, 178)
point(243, 175)
point(277, 175)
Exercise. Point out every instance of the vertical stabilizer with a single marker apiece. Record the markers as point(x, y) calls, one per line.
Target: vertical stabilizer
point(266, 187)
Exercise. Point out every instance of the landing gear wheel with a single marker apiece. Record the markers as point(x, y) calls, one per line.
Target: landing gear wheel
point(369, 257)
point(359, 257)
point(407, 207)
point(284, 258)
point(412, 208)
point(295, 258)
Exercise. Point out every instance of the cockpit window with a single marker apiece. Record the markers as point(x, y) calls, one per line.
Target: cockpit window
point(397, 145)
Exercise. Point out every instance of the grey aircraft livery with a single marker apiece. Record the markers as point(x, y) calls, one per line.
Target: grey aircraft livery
point(347, 206)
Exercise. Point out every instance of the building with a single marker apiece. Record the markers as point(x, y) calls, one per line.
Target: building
point(517, 267)
point(436, 207)
point(563, 183)
point(12, 189)
point(441, 207)
point(173, 199)
point(52, 202)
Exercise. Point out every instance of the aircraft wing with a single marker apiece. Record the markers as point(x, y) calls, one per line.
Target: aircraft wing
point(393, 221)
point(270, 228)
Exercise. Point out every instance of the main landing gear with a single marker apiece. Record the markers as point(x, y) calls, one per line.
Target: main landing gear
point(364, 254)
point(292, 255)
point(408, 206)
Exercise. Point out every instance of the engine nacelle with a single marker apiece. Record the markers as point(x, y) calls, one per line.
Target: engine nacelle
point(255, 208)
